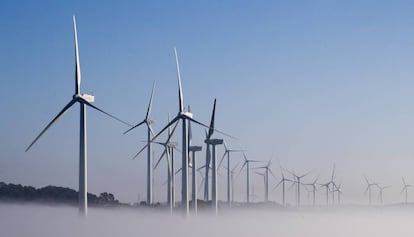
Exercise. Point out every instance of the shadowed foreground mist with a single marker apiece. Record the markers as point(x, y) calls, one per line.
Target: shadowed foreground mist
point(42, 220)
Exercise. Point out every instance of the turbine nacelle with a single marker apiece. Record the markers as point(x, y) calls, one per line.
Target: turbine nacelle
point(186, 114)
point(86, 97)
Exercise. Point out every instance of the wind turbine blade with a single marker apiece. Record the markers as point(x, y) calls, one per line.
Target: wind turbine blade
point(52, 122)
point(152, 131)
point(234, 168)
point(178, 171)
point(100, 110)
point(405, 184)
point(255, 161)
point(231, 150)
point(172, 132)
point(77, 64)
point(190, 131)
point(139, 152)
point(271, 172)
point(139, 124)
point(211, 127)
point(225, 134)
point(167, 126)
point(293, 184)
point(200, 168)
point(195, 121)
point(333, 172)
point(180, 89)
point(306, 174)
point(244, 164)
point(366, 180)
point(225, 146)
point(277, 185)
point(244, 155)
point(162, 155)
point(366, 190)
point(222, 158)
point(293, 174)
point(150, 102)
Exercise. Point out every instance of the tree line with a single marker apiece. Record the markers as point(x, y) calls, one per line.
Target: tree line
point(52, 194)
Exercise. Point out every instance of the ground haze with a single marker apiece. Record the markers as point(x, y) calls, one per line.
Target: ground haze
point(41, 220)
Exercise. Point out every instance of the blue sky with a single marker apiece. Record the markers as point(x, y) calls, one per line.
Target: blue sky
point(309, 83)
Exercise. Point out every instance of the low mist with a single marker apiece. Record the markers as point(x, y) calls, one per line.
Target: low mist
point(42, 220)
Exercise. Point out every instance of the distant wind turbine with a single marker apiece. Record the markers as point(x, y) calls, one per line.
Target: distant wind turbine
point(247, 164)
point(282, 181)
point(381, 190)
point(227, 152)
point(368, 189)
point(147, 121)
point(267, 170)
point(314, 186)
point(405, 189)
point(298, 183)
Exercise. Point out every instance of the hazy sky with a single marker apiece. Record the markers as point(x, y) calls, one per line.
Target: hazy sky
point(309, 83)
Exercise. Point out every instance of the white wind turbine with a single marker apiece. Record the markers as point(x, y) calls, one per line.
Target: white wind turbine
point(313, 185)
point(83, 100)
point(405, 188)
point(282, 181)
point(381, 190)
point(247, 164)
point(169, 153)
point(232, 172)
point(227, 152)
point(368, 189)
point(267, 170)
point(147, 121)
point(339, 191)
point(298, 183)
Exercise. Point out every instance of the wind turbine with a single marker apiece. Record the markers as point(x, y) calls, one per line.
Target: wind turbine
point(282, 181)
point(332, 182)
point(298, 183)
point(313, 185)
point(169, 153)
point(326, 185)
point(227, 152)
point(405, 188)
point(83, 100)
point(147, 121)
point(381, 189)
point(232, 172)
point(247, 164)
point(339, 190)
point(369, 185)
point(267, 170)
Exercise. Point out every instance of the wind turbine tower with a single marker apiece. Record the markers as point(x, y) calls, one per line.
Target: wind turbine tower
point(214, 143)
point(194, 149)
point(83, 100)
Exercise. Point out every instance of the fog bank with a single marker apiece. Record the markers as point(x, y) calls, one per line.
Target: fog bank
point(41, 220)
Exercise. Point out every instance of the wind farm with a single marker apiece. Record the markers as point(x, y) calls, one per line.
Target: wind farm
point(212, 119)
